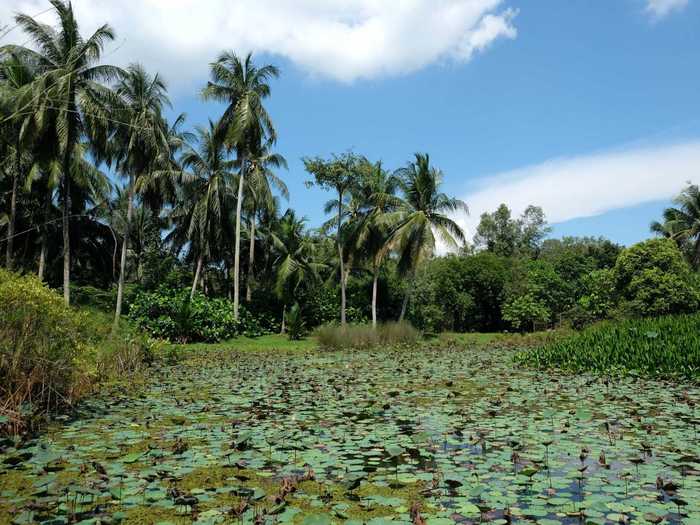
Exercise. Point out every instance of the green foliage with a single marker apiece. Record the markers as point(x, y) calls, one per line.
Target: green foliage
point(170, 314)
point(296, 327)
point(505, 236)
point(665, 346)
point(51, 355)
point(356, 336)
point(526, 312)
point(653, 279)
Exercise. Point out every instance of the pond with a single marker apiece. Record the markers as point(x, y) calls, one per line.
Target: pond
point(436, 436)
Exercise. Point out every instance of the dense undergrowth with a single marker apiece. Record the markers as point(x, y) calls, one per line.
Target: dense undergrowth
point(51, 355)
point(667, 346)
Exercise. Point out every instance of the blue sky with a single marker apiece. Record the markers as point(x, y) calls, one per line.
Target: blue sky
point(589, 109)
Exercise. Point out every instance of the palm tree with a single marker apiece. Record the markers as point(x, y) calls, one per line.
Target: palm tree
point(68, 91)
point(140, 144)
point(369, 233)
point(243, 86)
point(261, 178)
point(206, 197)
point(419, 216)
point(294, 258)
point(682, 223)
point(16, 75)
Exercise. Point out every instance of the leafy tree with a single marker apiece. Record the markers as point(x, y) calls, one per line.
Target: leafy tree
point(243, 86)
point(654, 279)
point(68, 92)
point(525, 312)
point(421, 213)
point(499, 233)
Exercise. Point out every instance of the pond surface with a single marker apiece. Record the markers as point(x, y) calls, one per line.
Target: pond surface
point(438, 436)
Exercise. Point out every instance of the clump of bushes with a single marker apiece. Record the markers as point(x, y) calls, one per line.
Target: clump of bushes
point(170, 314)
point(362, 336)
point(52, 355)
point(664, 346)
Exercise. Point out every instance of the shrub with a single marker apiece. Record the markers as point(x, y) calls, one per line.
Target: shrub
point(44, 350)
point(170, 314)
point(362, 336)
point(296, 327)
point(665, 346)
point(525, 312)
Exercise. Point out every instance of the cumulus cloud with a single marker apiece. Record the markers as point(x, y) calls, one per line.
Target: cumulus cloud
point(660, 8)
point(342, 39)
point(584, 186)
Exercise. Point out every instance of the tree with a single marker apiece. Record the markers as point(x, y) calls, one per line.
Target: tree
point(421, 213)
point(68, 92)
point(16, 76)
point(261, 178)
point(244, 87)
point(294, 259)
point(682, 223)
point(339, 174)
point(206, 197)
point(653, 279)
point(498, 233)
point(140, 143)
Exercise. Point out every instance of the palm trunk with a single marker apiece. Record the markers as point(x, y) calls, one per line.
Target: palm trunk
point(196, 276)
point(342, 263)
point(44, 239)
point(125, 247)
point(13, 211)
point(251, 261)
point(237, 251)
point(66, 236)
point(404, 306)
point(375, 283)
point(284, 316)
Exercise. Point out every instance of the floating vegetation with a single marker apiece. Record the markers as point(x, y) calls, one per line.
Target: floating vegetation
point(435, 437)
point(660, 347)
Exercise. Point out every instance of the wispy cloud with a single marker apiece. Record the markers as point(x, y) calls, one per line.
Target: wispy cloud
point(661, 8)
point(587, 185)
point(342, 39)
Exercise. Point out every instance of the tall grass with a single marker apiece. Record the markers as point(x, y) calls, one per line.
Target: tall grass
point(361, 336)
point(665, 346)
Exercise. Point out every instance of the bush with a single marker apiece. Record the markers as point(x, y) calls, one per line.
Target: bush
point(362, 336)
point(665, 346)
point(296, 327)
point(43, 350)
point(525, 312)
point(170, 314)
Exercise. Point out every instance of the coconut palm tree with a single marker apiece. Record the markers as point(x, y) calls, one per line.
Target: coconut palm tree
point(369, 233)
point(206, 197)
point(16, 75)
point(68, 91)
point(140, 144)
point(243, 87)
point(682, 223)
point(294, 261)
point(261, 179)
point(420, 215)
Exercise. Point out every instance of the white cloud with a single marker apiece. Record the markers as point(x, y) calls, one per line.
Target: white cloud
point(342, 39)
point(660, 8)
point(588, 185)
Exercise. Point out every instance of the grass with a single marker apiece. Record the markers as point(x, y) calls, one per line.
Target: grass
point(355, 336)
